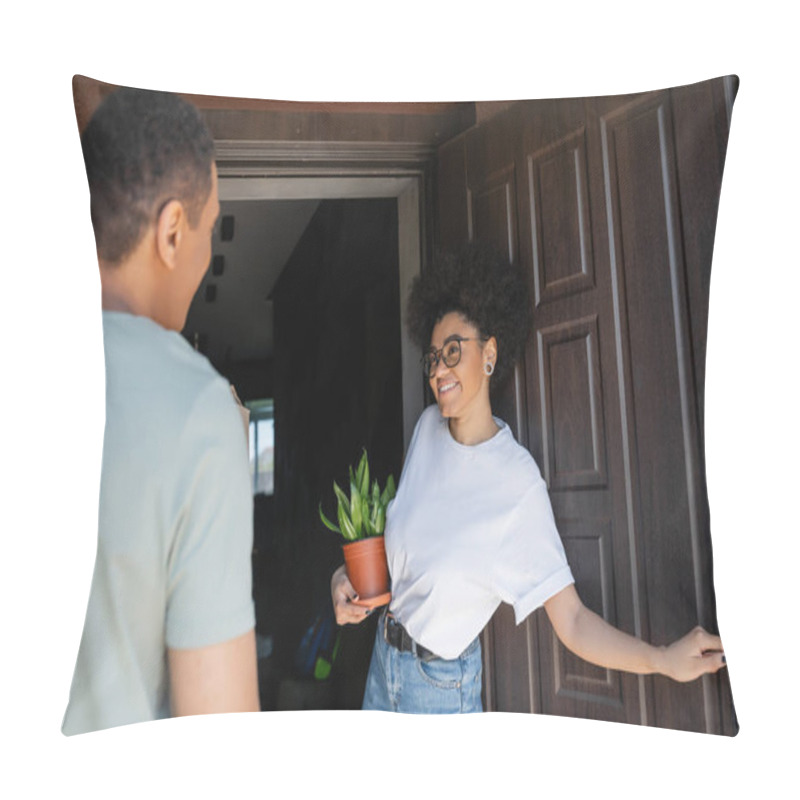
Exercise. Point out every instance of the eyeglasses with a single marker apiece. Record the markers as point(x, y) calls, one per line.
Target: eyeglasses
point(450, 353)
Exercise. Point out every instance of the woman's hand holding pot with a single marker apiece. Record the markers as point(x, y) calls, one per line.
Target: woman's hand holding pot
point(343, 594)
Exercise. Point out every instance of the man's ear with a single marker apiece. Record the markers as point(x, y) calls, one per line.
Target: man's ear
point(169, 232)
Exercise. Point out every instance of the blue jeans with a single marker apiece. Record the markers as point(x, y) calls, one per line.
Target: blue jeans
point(402, 682)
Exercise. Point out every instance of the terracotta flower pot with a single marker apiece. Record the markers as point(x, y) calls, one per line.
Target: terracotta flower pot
point(365, 561)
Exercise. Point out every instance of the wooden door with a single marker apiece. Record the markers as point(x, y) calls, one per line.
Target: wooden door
point(609, 204)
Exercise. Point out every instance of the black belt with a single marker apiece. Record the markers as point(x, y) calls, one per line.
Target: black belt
point(397, 636)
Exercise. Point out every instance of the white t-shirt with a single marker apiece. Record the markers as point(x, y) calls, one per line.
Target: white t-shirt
point(173, 566)
point(470, 527)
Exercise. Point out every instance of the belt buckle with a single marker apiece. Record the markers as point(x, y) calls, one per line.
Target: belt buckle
point(405, 643)
point(386, 617)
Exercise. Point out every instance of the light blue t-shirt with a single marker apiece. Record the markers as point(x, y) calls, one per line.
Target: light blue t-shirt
point(173, 565)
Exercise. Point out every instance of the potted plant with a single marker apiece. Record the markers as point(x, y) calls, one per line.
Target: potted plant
point(362, 519)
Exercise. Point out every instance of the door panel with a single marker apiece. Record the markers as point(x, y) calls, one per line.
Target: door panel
point(573, 431)
point(492, 209)
point(589, 548)
point(493, 217)
point(647, 262)
point(572, 420)
point(563, 258)
point(609, 396)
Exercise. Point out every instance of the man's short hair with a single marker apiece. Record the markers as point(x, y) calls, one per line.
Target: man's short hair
point(143, 149)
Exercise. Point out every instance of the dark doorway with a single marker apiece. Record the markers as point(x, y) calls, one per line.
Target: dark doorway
point(334, 376)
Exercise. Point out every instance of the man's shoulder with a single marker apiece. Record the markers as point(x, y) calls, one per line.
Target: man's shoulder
point(154, 375)
point(152, 353)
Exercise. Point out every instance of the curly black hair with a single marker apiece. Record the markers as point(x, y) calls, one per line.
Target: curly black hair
point(480, 284)
point(142, 148)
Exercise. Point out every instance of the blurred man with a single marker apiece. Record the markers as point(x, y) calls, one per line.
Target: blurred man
point(169, 628)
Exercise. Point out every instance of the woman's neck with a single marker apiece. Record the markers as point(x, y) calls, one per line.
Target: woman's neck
point(474, 430)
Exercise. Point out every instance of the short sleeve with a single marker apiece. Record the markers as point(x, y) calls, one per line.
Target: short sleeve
point(531, 566)
point(209, 594)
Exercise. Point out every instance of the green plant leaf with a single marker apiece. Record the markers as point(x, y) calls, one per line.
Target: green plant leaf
point(363, 484)
point(381, 521)
point(369, 528)
point(327, 522)
point(360, 470)
point(365, 513)
point(355, 508)
point(348, 531)
point(388, 492)
point(341, 497)
point(373, 514)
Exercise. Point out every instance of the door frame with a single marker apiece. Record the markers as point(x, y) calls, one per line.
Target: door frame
point(281, 170)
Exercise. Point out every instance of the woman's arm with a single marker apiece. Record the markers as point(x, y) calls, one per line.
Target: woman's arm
point(593, 639)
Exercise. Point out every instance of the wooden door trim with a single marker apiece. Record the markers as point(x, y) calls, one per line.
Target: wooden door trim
point(248, 158)
point(332, 170)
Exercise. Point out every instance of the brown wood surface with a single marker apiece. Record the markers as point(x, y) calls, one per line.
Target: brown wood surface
point(610, 206)
point(283, 120)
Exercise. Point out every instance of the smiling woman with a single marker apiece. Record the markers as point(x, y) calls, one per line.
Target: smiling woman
point(478, 283)
point(471, 525)
point(460, 379)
